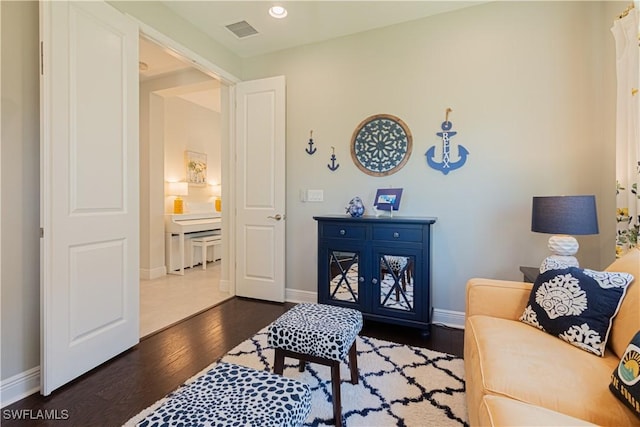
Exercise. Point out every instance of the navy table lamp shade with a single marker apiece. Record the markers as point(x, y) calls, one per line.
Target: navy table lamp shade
point(564, 215)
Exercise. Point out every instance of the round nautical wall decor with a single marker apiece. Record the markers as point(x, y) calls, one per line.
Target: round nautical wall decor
point(381, 145)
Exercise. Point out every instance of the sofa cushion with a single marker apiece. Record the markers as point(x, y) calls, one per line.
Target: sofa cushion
point(625, 380)
point(577, 305)
point(511, 359)
point(627, 321)
point(500, 411)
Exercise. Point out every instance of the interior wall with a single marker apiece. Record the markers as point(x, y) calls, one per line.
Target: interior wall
point(20, 192)
point(528, 85)
point(191, 128)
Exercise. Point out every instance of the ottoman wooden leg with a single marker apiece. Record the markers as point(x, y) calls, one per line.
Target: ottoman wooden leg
point(301, 365)
point(278, 361)
point(335, 389)
point(353, 363)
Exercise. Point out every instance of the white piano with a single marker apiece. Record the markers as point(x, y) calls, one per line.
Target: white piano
point(190, 225)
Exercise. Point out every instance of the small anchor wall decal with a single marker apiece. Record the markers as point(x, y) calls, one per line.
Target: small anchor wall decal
point(311, 148)
point(446, 165)
point(333, 166)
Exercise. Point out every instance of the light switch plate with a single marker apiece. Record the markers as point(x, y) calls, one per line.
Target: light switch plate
point(315, 195)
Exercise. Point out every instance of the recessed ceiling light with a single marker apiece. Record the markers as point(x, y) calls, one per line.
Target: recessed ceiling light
point(278, 12)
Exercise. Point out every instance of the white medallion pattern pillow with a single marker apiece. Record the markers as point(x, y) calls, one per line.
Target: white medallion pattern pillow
point(557, 262)
point(577, 305)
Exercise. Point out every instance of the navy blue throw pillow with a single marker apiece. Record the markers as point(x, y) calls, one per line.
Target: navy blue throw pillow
point(577, 305)
point(625, 380)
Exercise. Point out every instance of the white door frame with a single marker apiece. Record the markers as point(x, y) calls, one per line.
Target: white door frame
point(228, 151)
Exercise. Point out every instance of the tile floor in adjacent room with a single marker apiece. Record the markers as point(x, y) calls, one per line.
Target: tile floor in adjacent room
point(172, 298)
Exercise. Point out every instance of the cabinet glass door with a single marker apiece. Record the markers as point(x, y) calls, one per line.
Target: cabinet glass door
point(396, 276)
point(343, 276)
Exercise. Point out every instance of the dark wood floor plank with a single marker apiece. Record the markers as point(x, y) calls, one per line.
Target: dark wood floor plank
point(119, 389)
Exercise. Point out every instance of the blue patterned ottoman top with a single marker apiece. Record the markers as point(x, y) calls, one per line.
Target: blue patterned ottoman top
point(317, 330)
point(232, 395)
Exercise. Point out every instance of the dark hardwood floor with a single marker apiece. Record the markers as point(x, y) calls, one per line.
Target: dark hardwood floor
point(117, 390)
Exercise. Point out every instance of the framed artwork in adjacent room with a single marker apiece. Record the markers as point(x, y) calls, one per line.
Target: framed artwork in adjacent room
point(196, 167)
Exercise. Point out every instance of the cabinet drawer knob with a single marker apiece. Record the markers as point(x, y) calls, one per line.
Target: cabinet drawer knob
point(361, 279)
point(374, 281)
point(343, 232)
point(396, 234)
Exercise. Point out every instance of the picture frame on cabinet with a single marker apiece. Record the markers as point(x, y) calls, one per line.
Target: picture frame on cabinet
point(388, 199)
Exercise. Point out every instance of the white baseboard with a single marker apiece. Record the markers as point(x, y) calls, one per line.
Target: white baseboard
point(154, 273)
point(453, 319)
point(298, 296)
point(20, 386)
point(225, 286)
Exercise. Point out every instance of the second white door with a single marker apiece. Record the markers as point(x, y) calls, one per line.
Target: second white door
point(260, 189)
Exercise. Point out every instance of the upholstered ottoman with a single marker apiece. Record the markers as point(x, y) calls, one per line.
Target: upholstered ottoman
point(233, 395)
point(321, 334)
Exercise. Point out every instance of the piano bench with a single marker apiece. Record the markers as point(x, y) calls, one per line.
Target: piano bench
point(203, 243)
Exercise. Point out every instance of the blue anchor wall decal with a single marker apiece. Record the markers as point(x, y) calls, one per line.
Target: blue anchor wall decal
point(446, 165)
point(333, 166)
point(311, 148)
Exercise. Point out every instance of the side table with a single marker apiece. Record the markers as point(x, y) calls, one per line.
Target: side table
point(530, 273)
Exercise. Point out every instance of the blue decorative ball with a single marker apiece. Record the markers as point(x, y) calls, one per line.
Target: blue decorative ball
point(356, 207)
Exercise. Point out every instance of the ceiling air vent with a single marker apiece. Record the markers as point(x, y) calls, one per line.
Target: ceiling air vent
point(242, 29)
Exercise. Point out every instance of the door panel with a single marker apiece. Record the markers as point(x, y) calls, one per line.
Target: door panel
point(90, 198)
point(260, 189)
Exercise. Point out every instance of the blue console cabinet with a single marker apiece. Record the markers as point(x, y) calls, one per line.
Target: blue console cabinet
point(380, 266)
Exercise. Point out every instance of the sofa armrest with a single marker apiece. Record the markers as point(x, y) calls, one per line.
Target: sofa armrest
point(497, 298)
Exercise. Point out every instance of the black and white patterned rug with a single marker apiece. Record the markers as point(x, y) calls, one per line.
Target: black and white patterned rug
point(399, 385)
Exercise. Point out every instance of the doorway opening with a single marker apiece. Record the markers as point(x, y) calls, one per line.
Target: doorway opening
point(181, 111)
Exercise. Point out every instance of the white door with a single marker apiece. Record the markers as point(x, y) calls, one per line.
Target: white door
point(260, 189)
point(89, 155)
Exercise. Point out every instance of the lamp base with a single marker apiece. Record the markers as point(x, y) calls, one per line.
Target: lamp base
point(563, 245)
point(178, 205)
point(563, 248)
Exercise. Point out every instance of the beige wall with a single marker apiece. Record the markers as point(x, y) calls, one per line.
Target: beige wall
point(20, 216)
point(531, 86)
point(191, 128)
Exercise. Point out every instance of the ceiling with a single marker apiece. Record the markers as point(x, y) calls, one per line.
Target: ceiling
point(307, 21)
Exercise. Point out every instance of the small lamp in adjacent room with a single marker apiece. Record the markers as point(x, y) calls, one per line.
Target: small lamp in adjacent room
point(216, 190)
point(563, 216)
point(178, 189)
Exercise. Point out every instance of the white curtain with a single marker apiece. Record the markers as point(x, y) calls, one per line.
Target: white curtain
point(625, 31)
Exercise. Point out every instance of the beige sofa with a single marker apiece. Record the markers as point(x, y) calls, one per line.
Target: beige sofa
point(518, 375)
